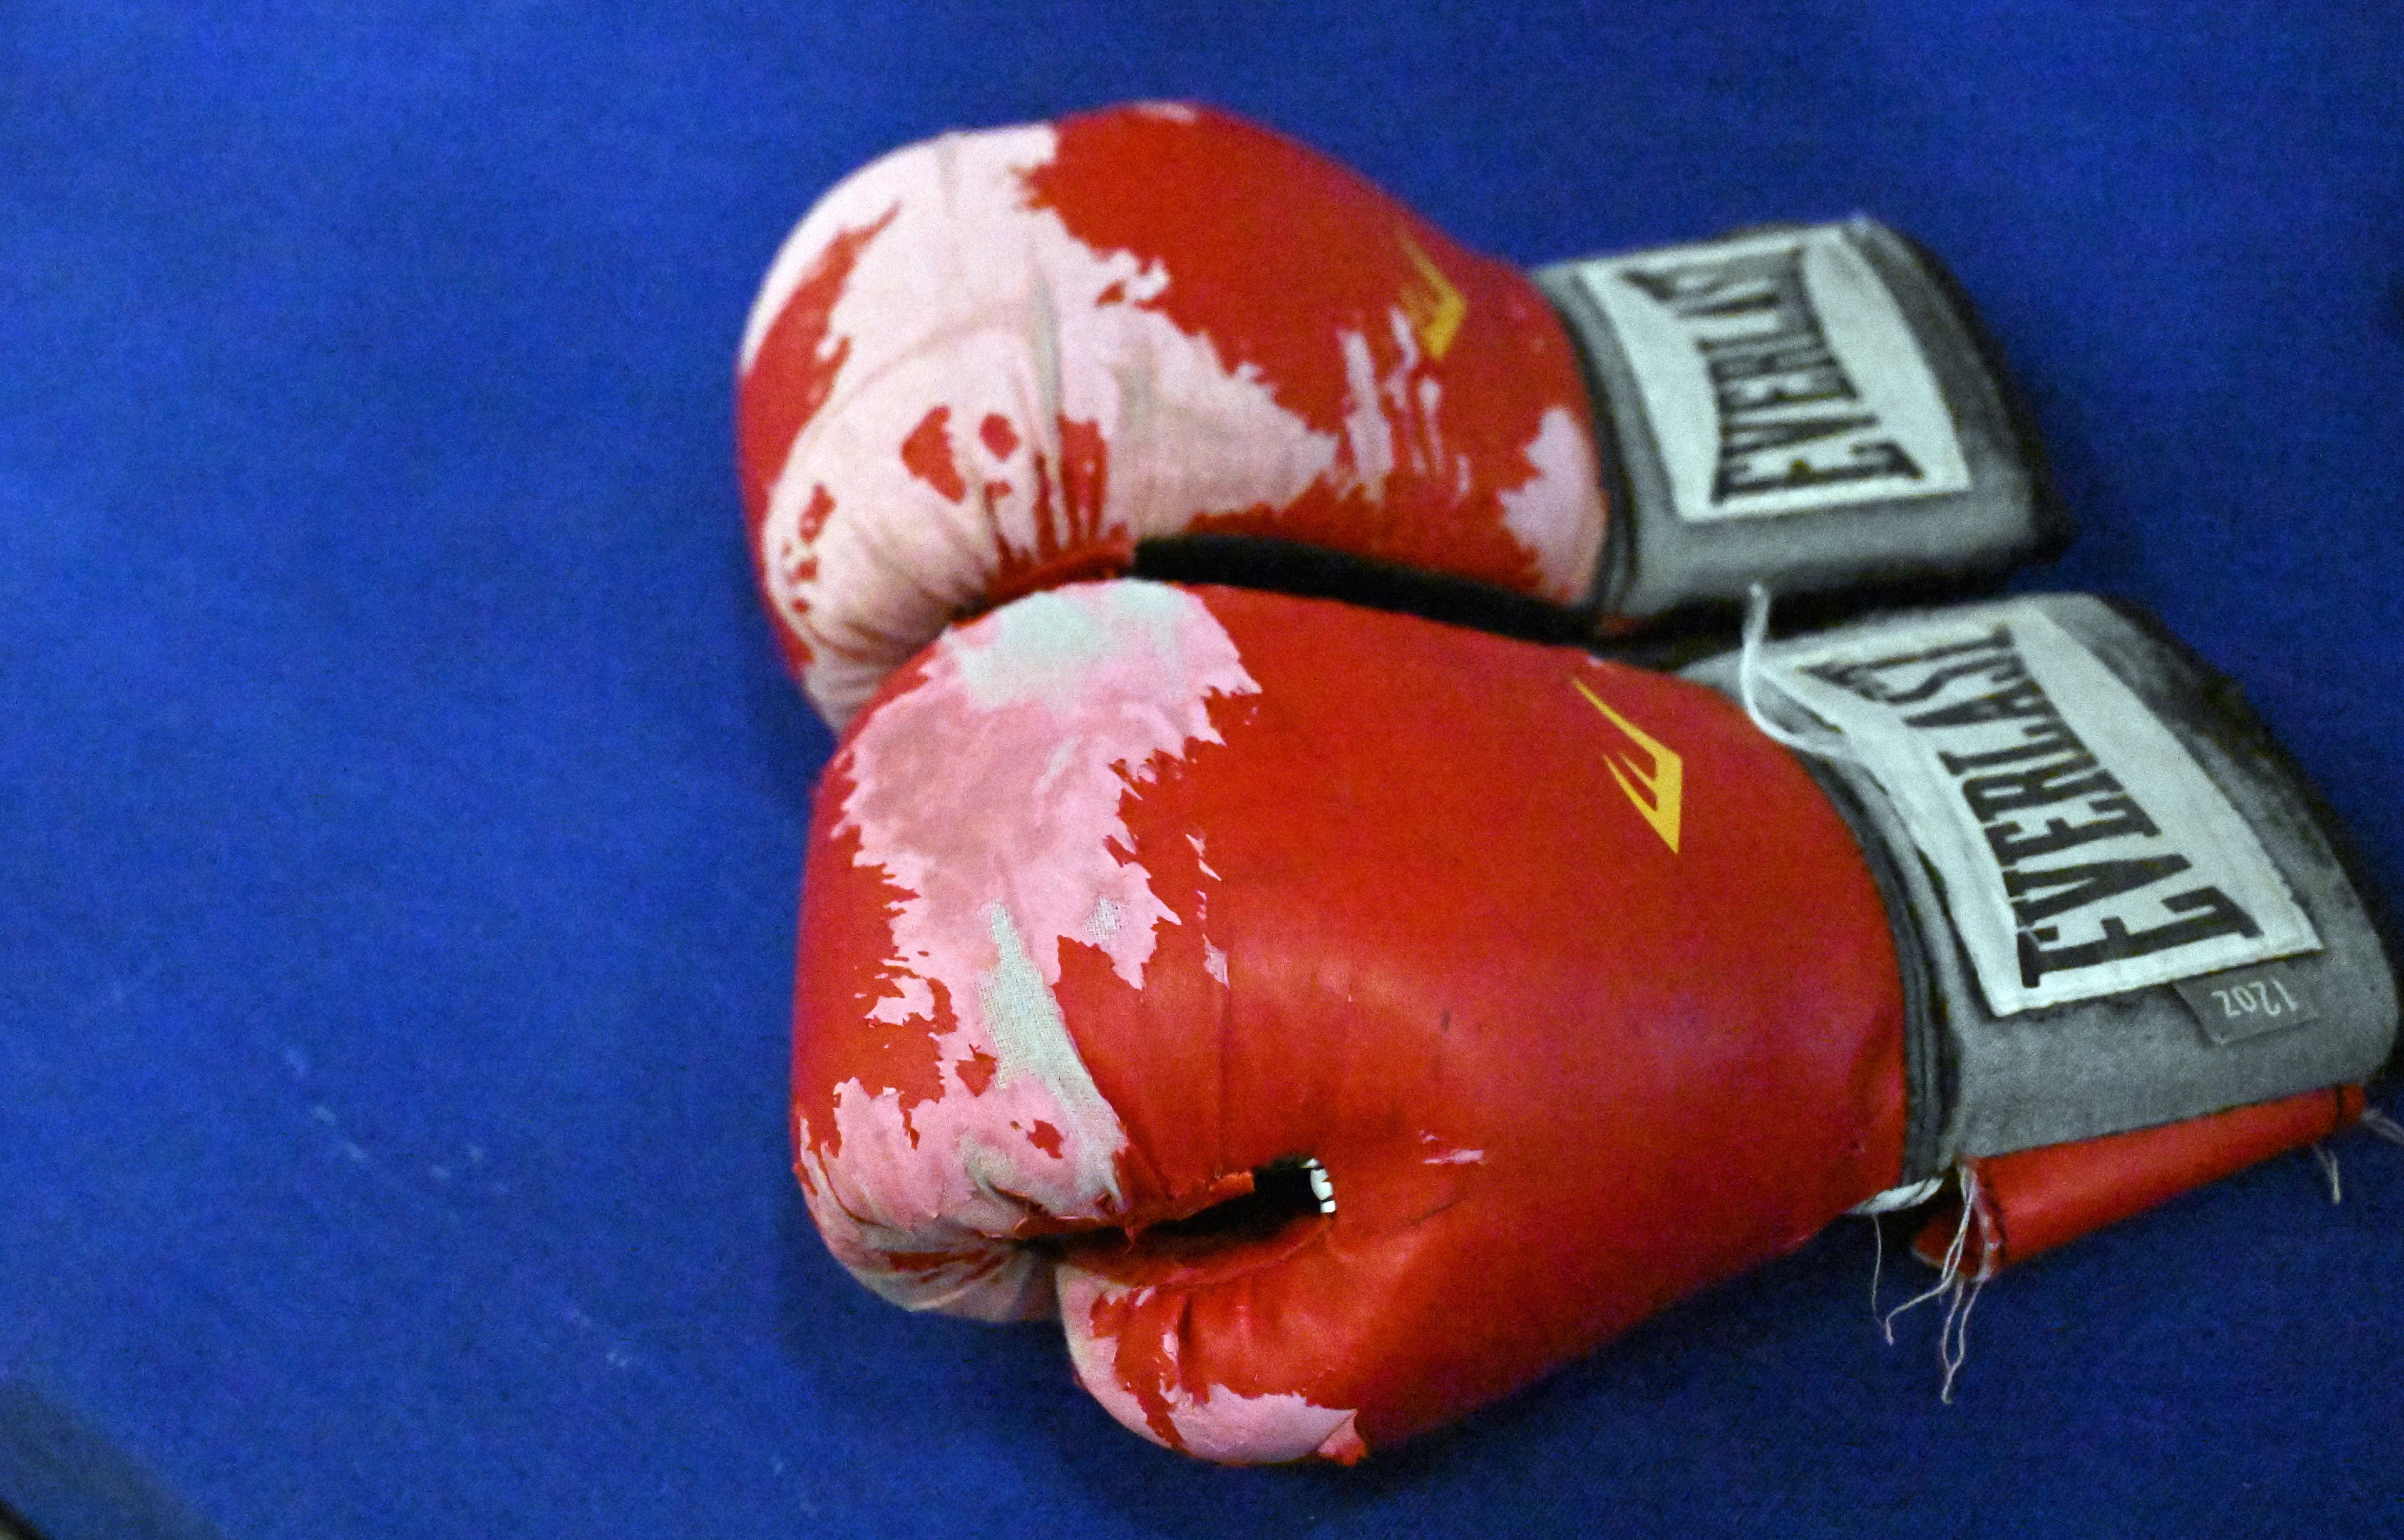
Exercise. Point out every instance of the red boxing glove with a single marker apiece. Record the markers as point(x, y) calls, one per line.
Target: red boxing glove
point(1005, 360)
point(1129, 898)
point(1342, 1019)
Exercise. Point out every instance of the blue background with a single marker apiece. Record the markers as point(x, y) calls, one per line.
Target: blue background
point(400, 806)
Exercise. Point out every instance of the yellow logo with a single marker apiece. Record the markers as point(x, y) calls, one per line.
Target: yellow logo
point(1432, 306)
point(1658, 789)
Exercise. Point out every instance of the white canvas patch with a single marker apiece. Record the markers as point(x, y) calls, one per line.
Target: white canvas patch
point(2082, 850)
point(1778, 375)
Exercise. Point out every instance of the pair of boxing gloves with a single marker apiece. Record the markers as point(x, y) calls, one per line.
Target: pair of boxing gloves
point(1341, 1016)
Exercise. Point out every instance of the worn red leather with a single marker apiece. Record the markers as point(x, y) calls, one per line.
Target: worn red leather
point(2038, 1199)
point(1127, 896)
point(998, 352)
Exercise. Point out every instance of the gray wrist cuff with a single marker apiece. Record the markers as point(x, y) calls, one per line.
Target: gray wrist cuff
point(1814, 407)
point(2116, 902)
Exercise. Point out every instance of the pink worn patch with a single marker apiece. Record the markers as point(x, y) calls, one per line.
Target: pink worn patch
point(1141, 1384)
point(967, 351)
point(1545, 513)
point(991, 791)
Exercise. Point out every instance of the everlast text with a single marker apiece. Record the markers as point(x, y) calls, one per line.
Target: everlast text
point(2090, 875)
point(1789, 416)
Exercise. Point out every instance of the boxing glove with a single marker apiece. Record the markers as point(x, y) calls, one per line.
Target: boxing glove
point(1163, 338)
point(1342, 1019)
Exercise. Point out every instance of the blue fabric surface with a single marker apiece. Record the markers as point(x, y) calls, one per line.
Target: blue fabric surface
point(400, 806)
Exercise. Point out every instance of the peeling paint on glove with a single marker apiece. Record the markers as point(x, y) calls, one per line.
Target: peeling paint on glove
point(992, 359)
point(917, 1182)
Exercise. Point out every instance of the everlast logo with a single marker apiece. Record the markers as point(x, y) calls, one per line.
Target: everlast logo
point(2048, 806)
point(1789, 416)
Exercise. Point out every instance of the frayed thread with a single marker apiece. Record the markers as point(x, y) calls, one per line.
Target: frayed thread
point(1958, 1287)
point(1909, 1196)
point(1753, 684)
point(1912, 1195)
point(1877, 1264)
point(2327, 1164)
point(2381, 1124)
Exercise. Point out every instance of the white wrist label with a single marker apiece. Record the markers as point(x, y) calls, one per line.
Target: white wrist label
point(1778, 375)
point(2083, 851)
